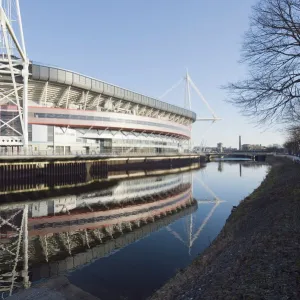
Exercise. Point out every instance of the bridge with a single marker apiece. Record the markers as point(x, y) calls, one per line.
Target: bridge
point(257, 156)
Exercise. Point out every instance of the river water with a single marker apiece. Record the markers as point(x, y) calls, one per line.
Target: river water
point(127, 240)
point(140, 268)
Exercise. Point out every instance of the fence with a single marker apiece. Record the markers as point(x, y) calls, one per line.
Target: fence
point(113, 153)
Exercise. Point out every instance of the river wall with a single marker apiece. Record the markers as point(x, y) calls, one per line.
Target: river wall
point(41, 174)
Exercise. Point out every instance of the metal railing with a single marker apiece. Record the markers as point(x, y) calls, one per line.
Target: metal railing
point(92, 153)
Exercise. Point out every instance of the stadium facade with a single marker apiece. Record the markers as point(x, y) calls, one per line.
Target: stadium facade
point(69, 112)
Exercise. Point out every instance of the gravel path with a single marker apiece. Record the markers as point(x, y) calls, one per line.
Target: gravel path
point(257, 253)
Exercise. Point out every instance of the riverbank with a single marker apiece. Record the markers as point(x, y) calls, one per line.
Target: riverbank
point(256, 255)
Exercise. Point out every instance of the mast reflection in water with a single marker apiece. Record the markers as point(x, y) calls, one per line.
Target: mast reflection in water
point(126, 240)
point(50, 237)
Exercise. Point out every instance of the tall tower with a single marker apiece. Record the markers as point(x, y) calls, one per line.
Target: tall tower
point(240, 143)
point(13, 76)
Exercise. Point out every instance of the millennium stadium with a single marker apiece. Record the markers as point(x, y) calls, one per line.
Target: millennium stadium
point(45, 109)
point(70, 112)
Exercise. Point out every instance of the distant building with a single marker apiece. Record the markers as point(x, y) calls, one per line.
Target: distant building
point(220, 147)
point(206, 149)
point(240, 143)
point(276, 146)
point(252, 147)
point(229, 149)
point(198, 149)
point(246, 147)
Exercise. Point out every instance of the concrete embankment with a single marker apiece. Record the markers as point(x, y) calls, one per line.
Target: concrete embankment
point(257, 253)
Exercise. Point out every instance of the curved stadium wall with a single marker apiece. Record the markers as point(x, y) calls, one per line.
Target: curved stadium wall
point(70, 112)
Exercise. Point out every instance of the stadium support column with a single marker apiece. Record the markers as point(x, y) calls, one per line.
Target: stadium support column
point(14, 64)
point(25, 104)
point(25, 74)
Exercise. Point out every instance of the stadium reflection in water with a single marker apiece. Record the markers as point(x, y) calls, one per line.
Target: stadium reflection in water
point(81, 235)
point(52, 236)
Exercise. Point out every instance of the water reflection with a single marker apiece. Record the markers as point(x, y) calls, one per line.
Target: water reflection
point(192, 231)
point(173, 217)
point(220, 166)
point(246, 163)
point(48, 237)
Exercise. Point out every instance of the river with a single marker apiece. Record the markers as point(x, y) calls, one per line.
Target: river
point(127, 240)
point(137, 270)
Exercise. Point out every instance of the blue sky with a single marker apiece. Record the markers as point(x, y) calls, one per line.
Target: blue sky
point(146, 45)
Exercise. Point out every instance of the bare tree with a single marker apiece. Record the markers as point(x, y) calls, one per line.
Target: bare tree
point(293, 140)
point(271, 48)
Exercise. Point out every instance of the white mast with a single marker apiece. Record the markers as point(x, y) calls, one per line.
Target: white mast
point(187, 97)
point(188, 102)
point(13, 72)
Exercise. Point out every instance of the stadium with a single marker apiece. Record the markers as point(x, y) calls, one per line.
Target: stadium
point(51, 110)
point(69, 112)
